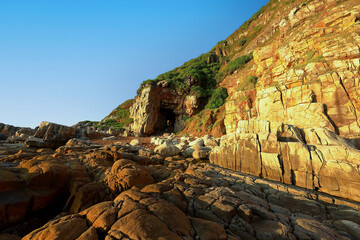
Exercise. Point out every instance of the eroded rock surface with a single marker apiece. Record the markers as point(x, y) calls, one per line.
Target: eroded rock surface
point(314, 158)
point(120, 191)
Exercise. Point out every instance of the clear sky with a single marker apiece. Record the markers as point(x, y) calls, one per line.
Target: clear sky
point(67, 61)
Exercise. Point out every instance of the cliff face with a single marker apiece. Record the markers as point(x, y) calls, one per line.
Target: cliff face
point(292, 115)
point(312, 158)
point(305, 61)
point(158, 109)
point(299, 123)
point(308, 74)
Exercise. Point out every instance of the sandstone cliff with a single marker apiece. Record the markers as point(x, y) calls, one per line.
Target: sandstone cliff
point(302, 78)
point(304, 72)
point(307, 73)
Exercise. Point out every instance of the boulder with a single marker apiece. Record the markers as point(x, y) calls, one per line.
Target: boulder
point(267, 230)
point(38, 143)
point(111, 138)
point(200, 154)
point(66, 228)
point(348, 226)
point(135, 142)
point(9, 180)
point(208, 230)
point(167, 149)
point(53, 135)
point(210, 141)
point(188, 152)
point(125, 174)
point(198, 142)
point(78, 142)
point(86, 196)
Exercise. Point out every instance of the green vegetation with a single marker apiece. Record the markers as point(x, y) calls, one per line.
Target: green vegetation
point(200, 70)
point(254, 33)
point(113, 124)
point(244, 98)
point(248, 83)
point(253, 18)
point(186, 118)
point(310, 57)
point(217, 98)
point(289, 2)
point(119, 117)
point(242, 41)
point(234, 65)
point(144, 83)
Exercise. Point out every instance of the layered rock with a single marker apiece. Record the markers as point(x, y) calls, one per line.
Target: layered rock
point(206, 202)
point(313, 158)
point(308, 74)
point(52, 135)
point(159, 108)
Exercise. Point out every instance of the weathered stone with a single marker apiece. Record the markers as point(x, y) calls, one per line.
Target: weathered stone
point(66, 228)
point(167, 149)
point(134, 142)
point(350, 227)
point(9, 180)
point(139, 224)
point(307, 228)
point(266, 230)
point(161, 108)
point(125, 174)
point(224, 211)
point(200, 154)
point(208, 230)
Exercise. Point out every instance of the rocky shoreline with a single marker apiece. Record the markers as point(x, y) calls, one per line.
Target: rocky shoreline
point(129, 191)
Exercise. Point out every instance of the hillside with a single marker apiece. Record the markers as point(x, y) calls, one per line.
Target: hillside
point(280, 97)
point(302, 53)
point(282, 91)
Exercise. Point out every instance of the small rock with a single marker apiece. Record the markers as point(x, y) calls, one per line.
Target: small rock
point(198, 142)
point(109, 138)
point(188, 152)
point(135, 142)
point(200, 154)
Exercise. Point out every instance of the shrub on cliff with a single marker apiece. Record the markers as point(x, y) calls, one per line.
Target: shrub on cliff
point(200, 71)
point(234, 65)
point(119, 117)
point(217, 99)
point(248, 83)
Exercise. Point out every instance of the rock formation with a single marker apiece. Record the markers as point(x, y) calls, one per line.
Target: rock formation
point(287, 168)
point(307, 75)
point(158, 108)
point(119, 191)
point(313, 158)
point(52, 135)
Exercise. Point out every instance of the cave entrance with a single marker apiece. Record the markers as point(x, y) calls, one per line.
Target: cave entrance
point(166, 121)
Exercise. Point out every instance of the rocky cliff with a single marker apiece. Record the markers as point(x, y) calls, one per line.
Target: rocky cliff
point(158, 108)
point(308, 73)
point(293, 70)
point(304, 72)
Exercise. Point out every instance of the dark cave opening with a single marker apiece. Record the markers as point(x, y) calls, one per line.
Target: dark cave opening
point(166, 121)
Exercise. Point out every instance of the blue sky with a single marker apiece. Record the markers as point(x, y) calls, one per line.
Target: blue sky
point(67, 61)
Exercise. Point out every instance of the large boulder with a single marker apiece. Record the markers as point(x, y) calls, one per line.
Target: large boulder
point(55, 135)
point(67, 228)
point(125, 174)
